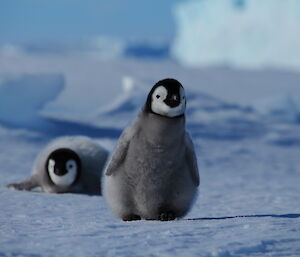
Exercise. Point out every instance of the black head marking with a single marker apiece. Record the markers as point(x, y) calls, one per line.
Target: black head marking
point(61, 156)
point(173, 88)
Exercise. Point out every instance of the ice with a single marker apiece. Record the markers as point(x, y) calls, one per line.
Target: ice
point(106, 47)
point(23, 97)
point(244, 34)
point(208, 116)
point(125, 107)
point(147, 50)
point(283, 107)
point(11, 50)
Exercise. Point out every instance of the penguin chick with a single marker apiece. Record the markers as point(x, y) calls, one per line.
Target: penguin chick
point(153, 172)
point(67, 165)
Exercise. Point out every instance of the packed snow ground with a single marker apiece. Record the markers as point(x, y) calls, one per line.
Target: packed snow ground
point(248, 153)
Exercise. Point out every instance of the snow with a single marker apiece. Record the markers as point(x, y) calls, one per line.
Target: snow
point(106, 47)
point(22, 97)
point(284, 107)
point(244, 34)
point(248, 204)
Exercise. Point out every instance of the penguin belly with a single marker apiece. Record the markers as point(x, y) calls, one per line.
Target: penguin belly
point(159, 181)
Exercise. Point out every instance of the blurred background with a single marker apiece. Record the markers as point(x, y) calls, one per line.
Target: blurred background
point(233, 33)
point(53, 54)
point(79, 60)
point(240, 51)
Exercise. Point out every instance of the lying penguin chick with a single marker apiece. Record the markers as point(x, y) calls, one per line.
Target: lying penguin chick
point(67, 165)
point(153, 172)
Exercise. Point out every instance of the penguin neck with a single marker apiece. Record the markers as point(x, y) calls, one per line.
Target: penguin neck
point(160, 130)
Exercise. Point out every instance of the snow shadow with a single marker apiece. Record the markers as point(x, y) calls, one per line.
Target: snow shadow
point(289, 215)
point(52, 128)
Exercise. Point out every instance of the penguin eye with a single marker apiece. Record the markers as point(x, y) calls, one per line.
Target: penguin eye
point(157, 96)
point(71, 164)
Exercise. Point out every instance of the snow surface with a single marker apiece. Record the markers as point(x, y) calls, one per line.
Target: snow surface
point(249, 197)
point(238, 33)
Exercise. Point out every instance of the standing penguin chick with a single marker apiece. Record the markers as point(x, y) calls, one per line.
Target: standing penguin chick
point(153, 172)
point(67, 165)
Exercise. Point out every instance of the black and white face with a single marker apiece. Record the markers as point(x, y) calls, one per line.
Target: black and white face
point(63, 166)
point(168, 98)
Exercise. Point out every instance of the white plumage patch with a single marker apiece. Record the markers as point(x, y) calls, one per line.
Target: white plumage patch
point(160, 107)
point(66, 179)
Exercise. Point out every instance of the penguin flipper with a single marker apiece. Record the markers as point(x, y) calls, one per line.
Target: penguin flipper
point(27, 184)
point(192, 160)
point(121, 151)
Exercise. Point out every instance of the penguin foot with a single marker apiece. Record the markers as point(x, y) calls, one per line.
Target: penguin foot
point(131, 217)
point(166, 216)
point(15, 186)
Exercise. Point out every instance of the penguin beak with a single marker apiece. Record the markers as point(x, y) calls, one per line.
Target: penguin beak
point(60, 172)
point(173, 101)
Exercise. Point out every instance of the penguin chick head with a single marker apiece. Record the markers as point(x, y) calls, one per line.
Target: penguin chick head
point(166, 98)
point(63, 167)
